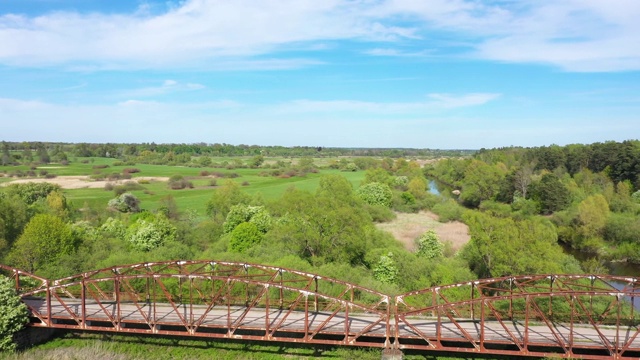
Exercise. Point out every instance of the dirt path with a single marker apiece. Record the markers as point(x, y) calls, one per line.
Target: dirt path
point(80, 182)
point(407, 227)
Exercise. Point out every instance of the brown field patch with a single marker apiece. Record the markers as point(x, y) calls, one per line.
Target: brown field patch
point(407, 227)
point(81, 182)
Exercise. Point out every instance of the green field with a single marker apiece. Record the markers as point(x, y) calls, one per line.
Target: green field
point(195, 199)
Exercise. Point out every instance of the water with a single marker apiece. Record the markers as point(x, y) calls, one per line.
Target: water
point(433, 187)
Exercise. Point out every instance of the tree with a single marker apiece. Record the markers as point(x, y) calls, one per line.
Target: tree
point(44, 240)
point(149, 232)
point(523, 179)
point(375, 193)
point(125, 203)
point(244, 236)
point(552, 194)
point(504, 246)
point(592, 215)
point(386, 270)
point(246, 213)
point(6, 156)
point(481, 182)
point(225, 197)
point(429, 246)
point(13, 314)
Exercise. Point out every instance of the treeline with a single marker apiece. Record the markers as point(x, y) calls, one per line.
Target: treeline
point(22, 152)
point(588, 194)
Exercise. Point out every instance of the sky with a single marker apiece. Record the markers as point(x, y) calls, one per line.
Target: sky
point(439, 74)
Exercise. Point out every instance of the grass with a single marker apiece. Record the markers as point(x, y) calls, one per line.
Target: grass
point(269, 187)
point(131, 347)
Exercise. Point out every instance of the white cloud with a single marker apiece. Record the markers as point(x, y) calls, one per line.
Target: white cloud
point(168, 86)
point(434, 102)
point(576, 35)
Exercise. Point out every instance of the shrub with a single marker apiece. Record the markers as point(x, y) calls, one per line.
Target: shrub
point(150, 232)
point(386, 270)
point(13, 314)
point(177, 182)
point(130, 170)
point(204, 173)
point(244, 236)
point(375, 193)
point(246, 213)
point(43, 172)
point(429, 246)
point(213, 182)
point(126, 202)
point(448, 211)
point(245, 183)
point(103, 166)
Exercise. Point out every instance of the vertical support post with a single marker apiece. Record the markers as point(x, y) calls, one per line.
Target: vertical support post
point(266, 315)
point(471, 304)
point(49, 316)
point(191, 320)
point(155, 301)
point(281, 291)
point(526, 322)
point(116, 282)
point(346, 323)
point(511, 298)
point(83, 303)
point(617, 348)
point(482, 315)
point(246, 298)
point(315, 296)
point(306, 316)
point(434, 303)
point(551, 297)
point(573, 308)
point(228, 307)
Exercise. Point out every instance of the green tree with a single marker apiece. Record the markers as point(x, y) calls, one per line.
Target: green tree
point(386, 270)
point(150, 231)
point(481, 182)
point(592, 215)
point(13, 314)
point(225, 197)
point(504, 246)
point(246, 213)
point(429, 246)
point(44, 240)
point(551, 194)
point(375, 193)
point(245, 236)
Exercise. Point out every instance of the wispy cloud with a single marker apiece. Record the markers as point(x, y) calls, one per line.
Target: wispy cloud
point(168, 86)
point(434, 102)
point(576, 35)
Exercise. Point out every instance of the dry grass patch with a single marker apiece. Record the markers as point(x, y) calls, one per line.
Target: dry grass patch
point(407, 227)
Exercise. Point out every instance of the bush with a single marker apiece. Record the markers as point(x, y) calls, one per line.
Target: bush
point(375, 193)
point(13, 314)
point(150, 232)
point(126, 202)
point(104, 166)
point(177, 182)
point(448, 211)
point(429, 246)
point(245, 236)
point(130, 170)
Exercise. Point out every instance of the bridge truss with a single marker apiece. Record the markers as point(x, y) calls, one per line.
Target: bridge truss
point(569, 316)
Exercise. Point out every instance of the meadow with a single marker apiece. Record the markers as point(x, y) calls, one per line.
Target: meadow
point(151, 191)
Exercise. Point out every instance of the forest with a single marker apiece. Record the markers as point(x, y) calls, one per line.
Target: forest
point(520, 204)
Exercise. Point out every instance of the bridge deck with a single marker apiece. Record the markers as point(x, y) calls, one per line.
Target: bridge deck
point(199, 320)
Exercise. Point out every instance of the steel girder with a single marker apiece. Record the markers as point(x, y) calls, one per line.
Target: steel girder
point(569, 316)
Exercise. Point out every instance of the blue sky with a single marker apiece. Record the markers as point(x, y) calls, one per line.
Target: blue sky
point(445, 74)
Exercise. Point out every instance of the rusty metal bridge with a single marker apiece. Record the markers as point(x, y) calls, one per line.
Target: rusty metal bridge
point(568, 316)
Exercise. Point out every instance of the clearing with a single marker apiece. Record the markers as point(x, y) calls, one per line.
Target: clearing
point(82, 182)
point(407, 227)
